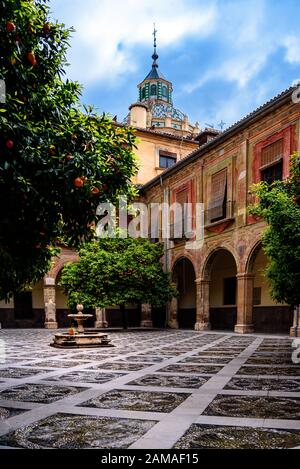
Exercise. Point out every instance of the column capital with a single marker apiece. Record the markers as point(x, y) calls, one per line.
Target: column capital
point(202, 281)
point(245, 276)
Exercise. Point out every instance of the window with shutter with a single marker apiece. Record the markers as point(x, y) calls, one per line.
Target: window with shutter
point(217, 205)
point(272, 153)
point(272, 162)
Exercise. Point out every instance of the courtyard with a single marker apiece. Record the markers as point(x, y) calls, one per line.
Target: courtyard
point(155, 389)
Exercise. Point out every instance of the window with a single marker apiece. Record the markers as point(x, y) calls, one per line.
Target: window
point(143, 93)
point(153, 90)
point(167, 159)
point(230, 291)
point(272, 162)
point(218, 203)
point(23, 305)
point(165, 91)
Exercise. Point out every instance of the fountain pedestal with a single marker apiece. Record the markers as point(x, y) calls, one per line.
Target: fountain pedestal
point(81, 338)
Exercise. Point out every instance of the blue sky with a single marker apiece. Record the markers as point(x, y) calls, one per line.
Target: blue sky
point(224, 57)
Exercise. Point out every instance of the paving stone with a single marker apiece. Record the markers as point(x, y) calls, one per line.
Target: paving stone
point(271, 370)
point(255, 407)
point(86, 376)
point(65, 431)
point(145, 359)
point(170, 381)
point(192, 369)
point(7, 413)
point(137, 400)
point(57, 364)
point(217, 437)
point(108, 410)
point(261, 384)
point(20, 372)
point(206, 359)
point(38, 393)
point(120, 366)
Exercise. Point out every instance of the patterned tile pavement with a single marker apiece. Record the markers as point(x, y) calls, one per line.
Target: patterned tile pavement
point(155, 389)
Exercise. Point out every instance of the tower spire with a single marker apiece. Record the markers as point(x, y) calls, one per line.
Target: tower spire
point(155, 55)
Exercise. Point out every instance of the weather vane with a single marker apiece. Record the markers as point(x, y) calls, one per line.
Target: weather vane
point(154, 34)
point(222, 124)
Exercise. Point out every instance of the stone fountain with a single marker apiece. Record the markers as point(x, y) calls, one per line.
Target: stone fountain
point(80, 338)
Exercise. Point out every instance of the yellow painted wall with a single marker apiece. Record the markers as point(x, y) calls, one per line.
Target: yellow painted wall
point(61, 299)
point(147, 153)
point(187, 300)
point(223, 267)
point(8, 305)
point(261, 281)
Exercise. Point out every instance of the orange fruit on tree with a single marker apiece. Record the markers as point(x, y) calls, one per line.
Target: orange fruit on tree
point(10, 144)
point(78, 182)
point(95, 191)
point(31, 58)
point(10, 27)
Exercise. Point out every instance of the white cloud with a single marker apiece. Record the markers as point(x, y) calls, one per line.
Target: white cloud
point(292, 44)
point(107, 33)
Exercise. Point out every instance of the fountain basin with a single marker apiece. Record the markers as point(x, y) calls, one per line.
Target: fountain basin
point(81, 340)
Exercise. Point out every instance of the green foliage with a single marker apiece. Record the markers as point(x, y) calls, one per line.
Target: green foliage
point(279, 205)
point(56, 162)
point(116, 272)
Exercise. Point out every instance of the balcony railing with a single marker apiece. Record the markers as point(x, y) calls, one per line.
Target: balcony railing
point(219, 213)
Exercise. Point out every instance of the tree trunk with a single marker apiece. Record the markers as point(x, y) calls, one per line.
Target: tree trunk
point(124, 316)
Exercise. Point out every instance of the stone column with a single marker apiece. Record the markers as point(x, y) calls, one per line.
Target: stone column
point(172, 312)
point(101, 322)
point(202, 305)
point(50, 303)
point(245, 284)
point(295, 330)
point(146, 319)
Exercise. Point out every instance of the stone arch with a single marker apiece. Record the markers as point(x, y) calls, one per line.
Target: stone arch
point(209, 260)
point(179, 257)
point(55, 302)
point(267, 315)
point(249, 266)
point(58, 265)
point(219, 280)
point(184, 275)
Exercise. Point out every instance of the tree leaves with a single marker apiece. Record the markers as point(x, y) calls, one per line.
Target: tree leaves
point(279, 206)
point(42, 111)
point(114, 271)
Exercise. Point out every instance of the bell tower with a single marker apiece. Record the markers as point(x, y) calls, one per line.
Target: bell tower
point(155, 87)
point(154, 109)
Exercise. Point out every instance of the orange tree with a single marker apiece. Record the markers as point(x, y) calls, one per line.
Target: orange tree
point(57, 162)
point(279, 205)
point(118, 271)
